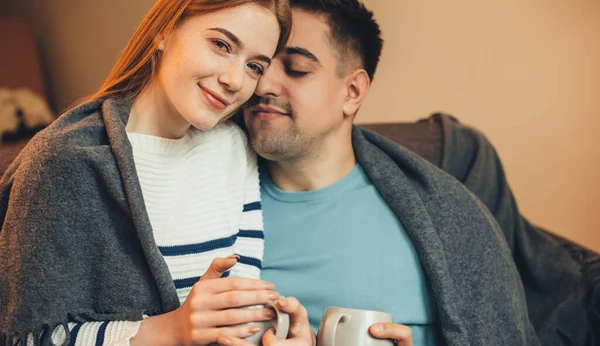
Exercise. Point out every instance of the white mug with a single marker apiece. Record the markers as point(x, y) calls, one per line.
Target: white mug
point(281, 323)
point(350, 327)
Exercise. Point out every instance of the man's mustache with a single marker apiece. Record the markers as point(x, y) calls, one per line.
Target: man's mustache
point(270, 101)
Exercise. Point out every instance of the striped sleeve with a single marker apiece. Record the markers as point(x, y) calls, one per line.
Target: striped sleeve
point(117, 333)
point(250, 241)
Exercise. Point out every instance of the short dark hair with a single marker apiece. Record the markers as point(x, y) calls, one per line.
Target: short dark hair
point(353, 29)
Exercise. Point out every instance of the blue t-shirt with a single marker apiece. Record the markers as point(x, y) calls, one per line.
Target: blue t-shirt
point(343, 246)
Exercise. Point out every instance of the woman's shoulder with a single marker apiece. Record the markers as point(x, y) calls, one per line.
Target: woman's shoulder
point(77, 130)
point(75, 124)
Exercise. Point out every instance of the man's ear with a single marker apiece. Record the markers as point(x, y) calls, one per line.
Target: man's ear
point(357, 88)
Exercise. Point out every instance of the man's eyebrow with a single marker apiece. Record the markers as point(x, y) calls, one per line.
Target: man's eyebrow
point(229, 35)
point(239, 43)
point(301, 51)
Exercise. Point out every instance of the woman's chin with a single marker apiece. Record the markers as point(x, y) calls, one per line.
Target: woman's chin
point(205, 124)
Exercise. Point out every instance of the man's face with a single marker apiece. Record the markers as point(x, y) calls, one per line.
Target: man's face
point(299, 99)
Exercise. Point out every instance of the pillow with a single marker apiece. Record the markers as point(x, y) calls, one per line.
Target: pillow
point(23, 112)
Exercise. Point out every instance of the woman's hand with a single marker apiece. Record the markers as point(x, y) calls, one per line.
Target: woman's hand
point(299, 334)
point(211, 310)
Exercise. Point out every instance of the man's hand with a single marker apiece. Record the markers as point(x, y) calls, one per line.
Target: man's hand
point(401, 333)
point(211, 310)
point(299, 334)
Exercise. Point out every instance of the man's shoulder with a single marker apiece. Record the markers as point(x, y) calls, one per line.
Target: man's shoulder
point(384, 158)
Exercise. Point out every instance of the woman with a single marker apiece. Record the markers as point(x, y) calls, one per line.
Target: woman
point(114, 211)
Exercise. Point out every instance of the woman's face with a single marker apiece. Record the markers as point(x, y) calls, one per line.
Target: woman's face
point(211, 63)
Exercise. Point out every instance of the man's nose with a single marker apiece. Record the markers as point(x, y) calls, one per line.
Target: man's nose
point(270, 83)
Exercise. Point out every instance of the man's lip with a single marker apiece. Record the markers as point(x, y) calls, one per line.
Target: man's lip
point(215, 95)
point(268, 109)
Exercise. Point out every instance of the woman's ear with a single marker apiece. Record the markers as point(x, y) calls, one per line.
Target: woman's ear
point(357, 88)
point(160, 43)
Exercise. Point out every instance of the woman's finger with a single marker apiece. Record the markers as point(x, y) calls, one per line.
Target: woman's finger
point(235, 299)
point(226, 340)
point(232, 284)
point(218, 267)
point(231, 317)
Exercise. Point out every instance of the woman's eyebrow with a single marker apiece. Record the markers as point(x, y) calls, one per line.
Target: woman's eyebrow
point(229, 35)
point(240, 44)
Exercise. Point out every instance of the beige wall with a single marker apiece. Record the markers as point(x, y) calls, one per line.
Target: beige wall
point(80, 40)
point(527, 73)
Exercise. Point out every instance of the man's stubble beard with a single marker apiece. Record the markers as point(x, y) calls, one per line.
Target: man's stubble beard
point(279, 145)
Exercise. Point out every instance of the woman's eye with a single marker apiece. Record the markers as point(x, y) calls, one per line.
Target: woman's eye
point(221, 45)
point(256, 68)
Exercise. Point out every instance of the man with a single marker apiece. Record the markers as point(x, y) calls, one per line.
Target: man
point(352, 220)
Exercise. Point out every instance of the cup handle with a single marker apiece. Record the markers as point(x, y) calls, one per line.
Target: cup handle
point(283, 322)
point(330, 327)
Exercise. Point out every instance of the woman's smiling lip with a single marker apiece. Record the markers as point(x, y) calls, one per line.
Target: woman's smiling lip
point(213, 98)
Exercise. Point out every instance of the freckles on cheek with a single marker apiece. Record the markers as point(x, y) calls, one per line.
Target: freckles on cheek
point(185, 65)
point(187, 62)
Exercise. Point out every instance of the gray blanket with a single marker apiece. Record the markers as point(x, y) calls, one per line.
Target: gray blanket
point(77, 244)
point(562, 290)
point(480, 297)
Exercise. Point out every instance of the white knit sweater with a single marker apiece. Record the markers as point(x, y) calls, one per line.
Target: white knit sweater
point(203, 199)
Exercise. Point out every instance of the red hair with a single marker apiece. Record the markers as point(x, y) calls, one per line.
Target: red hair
point(138, 63)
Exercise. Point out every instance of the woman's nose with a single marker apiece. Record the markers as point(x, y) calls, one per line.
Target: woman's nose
point(233, 76)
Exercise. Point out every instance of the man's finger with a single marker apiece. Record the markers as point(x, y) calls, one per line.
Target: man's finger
point(219, 266)
point(401, 333)
point(299, 325)
point(269, 339)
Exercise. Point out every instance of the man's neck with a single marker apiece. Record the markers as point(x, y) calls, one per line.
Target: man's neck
point(325, 166)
